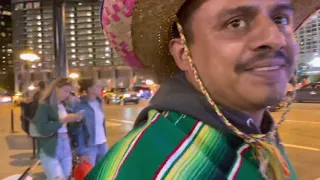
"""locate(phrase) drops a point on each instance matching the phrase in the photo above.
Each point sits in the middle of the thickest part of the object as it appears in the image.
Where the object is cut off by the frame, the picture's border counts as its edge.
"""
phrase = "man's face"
(244, 50)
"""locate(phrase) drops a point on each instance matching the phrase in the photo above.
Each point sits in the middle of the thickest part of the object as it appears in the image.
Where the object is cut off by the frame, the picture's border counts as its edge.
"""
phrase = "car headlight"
(127, 95)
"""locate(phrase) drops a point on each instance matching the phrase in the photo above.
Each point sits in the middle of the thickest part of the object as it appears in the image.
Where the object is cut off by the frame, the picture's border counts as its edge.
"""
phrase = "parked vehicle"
(22, 97)
(309, 93)
(4, 98)
(121, 96)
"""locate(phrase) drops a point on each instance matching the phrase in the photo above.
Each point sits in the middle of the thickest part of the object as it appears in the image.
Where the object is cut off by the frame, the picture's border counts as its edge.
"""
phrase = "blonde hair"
(49, 95)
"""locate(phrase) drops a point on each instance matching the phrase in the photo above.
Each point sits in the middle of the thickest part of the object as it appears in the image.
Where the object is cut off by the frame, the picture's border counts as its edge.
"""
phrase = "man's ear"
(177, 50)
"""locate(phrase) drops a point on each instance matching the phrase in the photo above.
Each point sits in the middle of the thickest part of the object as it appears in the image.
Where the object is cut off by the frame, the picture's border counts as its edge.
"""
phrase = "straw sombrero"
(140, 30)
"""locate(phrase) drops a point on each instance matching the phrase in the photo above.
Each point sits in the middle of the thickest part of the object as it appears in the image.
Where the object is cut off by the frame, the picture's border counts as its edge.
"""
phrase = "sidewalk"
(16, 148)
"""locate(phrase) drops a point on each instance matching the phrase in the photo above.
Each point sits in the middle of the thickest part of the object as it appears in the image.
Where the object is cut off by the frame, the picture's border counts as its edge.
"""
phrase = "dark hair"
(85, 83)
(41, 85)
(184, 16)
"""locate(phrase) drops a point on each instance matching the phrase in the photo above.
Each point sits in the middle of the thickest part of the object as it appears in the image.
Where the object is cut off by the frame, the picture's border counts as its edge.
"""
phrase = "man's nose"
(267, 35)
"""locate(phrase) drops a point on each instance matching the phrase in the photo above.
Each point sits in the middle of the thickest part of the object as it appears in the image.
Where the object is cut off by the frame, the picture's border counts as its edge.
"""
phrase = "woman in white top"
(91, 136)
(51, 121)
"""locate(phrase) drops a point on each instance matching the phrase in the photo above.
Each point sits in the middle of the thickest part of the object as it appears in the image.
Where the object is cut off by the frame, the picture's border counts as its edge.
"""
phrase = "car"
(277, 107)
(22, 97)
(4, 98)
(143, 92)
(121, 96)
(309, 93)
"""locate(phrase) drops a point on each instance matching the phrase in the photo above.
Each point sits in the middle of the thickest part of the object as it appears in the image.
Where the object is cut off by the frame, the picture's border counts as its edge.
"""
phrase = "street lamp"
(29, 57)
(315, 62)
(149, 82)
(74, 75)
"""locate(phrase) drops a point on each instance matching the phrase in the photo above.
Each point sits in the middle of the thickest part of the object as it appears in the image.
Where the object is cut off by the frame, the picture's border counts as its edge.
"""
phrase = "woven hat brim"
(152, 24)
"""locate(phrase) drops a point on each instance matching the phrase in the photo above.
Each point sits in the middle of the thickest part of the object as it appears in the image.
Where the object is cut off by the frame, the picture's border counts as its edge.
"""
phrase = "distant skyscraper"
(308, 38)
(88, 52)
(6, 63)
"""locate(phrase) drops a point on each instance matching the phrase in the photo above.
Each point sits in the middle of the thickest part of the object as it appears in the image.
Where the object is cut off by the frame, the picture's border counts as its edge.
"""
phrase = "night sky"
(4, 2)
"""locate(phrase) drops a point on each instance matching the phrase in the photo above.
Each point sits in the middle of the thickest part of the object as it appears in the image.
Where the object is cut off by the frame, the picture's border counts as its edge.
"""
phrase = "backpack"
(28, 111)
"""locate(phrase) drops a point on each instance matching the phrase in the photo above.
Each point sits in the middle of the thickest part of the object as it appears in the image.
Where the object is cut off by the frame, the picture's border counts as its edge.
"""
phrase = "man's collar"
(245, 123)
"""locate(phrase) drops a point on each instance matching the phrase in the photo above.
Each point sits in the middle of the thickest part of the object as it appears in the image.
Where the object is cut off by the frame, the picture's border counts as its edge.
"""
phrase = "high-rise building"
(88, 52)
(308, 39)
(6, 64)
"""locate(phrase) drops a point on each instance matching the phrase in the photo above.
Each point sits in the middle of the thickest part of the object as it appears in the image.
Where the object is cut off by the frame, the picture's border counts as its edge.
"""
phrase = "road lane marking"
(113, 124)
(296, 121)
(122, 121)
(301, 147)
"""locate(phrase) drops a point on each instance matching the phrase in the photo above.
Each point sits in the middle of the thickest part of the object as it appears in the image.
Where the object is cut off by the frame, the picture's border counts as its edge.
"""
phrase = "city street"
(300, 135)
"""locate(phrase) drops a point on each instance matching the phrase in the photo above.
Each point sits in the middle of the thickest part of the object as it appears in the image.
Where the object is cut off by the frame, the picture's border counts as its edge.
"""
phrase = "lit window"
(73, 44)
(108, 55)
(107, 61)
(74, 63)
(3, 34)
(40, 46)
(39, 23)
(89, 14)
(73, 50)
(29, 5)
(90, 43)
(90, 62)
(3, 23)
(73, 56)
(33, 66)
(89, 31)
(89, 38)
(38, 17)
(89, 25)
(72, 33)
(3, 57)
(90, 55)
(40, 52)
(39, 28)
(39, 35)
(72, 21)
(9, 50)
(108, 49)
(80, 4)
(90, 50)
(36, 5)
(89, 20)
(18, 7)
(71, 15)
(39, 40)
(72, 26)
(73, 38)
(39, 64)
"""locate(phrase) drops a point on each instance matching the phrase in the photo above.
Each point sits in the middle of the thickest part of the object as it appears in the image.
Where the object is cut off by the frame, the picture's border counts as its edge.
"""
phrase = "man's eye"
(281, 20)
(237, 23)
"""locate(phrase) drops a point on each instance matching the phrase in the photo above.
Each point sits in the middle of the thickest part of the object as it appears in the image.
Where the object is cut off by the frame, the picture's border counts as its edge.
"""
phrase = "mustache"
(243, 65)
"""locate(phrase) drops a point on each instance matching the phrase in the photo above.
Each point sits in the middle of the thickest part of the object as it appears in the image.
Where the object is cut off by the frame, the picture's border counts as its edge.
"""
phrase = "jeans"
(60, 166)
(96, 153)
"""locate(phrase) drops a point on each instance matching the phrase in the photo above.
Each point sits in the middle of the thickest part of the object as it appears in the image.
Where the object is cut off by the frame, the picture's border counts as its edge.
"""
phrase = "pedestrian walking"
(91, 135)
(51, 122)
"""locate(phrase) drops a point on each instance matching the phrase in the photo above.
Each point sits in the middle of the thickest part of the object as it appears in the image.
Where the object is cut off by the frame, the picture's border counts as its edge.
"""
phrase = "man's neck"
(256, 115)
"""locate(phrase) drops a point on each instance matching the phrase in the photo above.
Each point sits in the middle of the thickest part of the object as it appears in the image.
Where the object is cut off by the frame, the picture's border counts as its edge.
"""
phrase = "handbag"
(81, 170)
